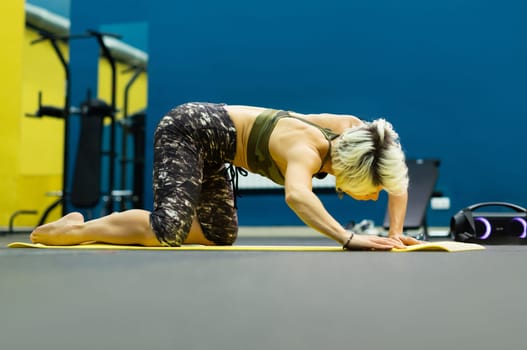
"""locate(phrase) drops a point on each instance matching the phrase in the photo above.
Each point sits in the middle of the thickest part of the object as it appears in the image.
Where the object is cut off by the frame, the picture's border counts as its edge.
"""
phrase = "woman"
(194, 201)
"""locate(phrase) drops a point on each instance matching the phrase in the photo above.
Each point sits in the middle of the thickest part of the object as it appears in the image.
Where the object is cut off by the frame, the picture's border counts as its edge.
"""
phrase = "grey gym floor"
(64, 299)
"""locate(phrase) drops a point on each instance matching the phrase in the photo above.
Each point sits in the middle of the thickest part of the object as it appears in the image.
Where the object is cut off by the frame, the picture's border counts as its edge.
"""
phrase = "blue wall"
(449, 74)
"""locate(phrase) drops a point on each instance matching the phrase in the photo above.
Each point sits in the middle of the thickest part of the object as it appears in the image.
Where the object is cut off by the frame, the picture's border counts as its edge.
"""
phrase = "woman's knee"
(221, 235)
(169, 231)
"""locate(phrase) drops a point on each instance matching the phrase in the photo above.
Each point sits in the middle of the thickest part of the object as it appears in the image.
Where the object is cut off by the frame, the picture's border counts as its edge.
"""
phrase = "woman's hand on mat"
(374, 242)
(406, 240)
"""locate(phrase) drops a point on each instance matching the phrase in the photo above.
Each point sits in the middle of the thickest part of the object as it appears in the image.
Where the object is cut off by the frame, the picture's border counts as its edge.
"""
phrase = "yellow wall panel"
(41, 139)
(32, 148)
(12, 26)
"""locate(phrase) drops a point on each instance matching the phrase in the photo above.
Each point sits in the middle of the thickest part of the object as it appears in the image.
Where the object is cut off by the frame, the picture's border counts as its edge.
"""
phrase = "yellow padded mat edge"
(445, 246)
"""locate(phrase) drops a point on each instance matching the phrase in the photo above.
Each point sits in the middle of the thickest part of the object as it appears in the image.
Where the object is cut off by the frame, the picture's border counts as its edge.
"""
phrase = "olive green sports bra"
(258, 155)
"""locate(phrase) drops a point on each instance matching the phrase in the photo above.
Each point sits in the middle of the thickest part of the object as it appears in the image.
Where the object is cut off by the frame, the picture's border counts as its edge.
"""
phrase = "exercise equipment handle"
(51, 111)
(495, 204)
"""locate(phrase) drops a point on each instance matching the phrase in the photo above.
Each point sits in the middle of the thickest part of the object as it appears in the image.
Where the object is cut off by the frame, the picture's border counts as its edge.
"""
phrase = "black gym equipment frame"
(66, 111)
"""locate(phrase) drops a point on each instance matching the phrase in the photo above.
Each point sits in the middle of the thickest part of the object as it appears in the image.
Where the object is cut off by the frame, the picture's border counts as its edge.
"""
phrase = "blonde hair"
(368, 156)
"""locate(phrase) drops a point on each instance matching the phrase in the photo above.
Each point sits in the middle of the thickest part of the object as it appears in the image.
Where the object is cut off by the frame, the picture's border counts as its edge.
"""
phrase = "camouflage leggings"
(191, 146)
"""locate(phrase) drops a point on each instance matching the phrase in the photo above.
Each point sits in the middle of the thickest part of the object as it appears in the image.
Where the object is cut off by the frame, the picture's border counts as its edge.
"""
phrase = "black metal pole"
(124, 146)
(65, 164)
(107, 54)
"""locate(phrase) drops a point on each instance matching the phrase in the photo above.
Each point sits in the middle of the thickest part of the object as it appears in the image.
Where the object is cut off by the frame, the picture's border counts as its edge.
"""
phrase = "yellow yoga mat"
(445, 246)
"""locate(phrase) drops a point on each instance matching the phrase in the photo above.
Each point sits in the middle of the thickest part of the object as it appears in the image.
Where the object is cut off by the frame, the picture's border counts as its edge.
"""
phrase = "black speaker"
(498, 227)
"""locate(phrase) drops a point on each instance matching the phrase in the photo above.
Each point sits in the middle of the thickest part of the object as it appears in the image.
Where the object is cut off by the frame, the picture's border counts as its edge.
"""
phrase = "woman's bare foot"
(61, 232)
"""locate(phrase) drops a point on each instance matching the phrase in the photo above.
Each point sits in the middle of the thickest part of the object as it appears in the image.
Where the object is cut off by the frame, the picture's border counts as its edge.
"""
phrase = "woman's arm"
(308, 207)
(397, 205)
(397, 212)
